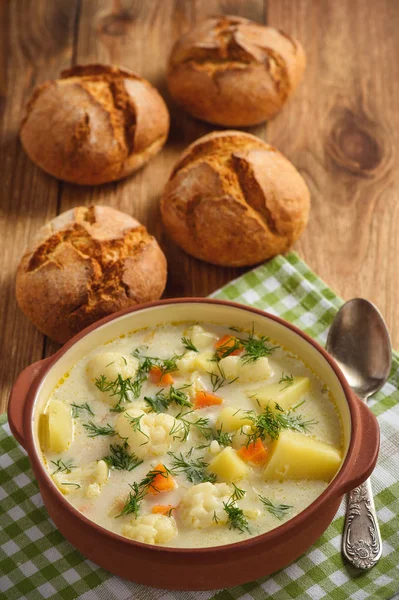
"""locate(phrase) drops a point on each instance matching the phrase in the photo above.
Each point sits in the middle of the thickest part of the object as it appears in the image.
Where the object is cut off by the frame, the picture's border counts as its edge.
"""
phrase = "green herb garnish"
(222, 437)
(188, 344)
(135, 423)
(139, 491)
(119, 388)
(62, 466)
(120, 459)
(76, 408)
(94, 430)
(181, 429)
(235, 514)
(77, 486)
(255, 347)
(278, 510)
(219, 380)
(269, 423)
(162, 399)
(194, 469)
(286, 380)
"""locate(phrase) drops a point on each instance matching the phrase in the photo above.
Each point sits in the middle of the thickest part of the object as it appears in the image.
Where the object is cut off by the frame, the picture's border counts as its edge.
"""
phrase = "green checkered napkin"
(37, 562)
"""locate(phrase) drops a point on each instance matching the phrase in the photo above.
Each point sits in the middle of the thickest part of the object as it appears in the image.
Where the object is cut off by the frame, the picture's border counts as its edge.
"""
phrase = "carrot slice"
(160, 378)
(254, 453)
(162, 509)
(225, 343)
(162, 482)
(203, 399)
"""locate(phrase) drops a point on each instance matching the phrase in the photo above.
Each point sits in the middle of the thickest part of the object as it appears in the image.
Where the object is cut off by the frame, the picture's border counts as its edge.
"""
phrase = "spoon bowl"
(359, 341)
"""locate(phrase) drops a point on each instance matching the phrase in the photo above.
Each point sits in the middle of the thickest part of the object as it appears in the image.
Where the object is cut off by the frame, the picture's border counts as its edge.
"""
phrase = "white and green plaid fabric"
(37, 562)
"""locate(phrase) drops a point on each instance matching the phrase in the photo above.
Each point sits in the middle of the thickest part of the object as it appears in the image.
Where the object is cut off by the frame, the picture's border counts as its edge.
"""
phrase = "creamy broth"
(236, 491)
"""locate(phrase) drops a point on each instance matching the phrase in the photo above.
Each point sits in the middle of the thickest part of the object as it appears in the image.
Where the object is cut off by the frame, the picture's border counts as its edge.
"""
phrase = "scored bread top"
(233, 71)
(234, 200)
(97, 123)
(85, 264)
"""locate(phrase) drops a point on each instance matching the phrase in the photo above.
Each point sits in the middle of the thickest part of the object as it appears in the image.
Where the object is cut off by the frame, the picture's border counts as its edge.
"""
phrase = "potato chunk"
(297, 456)
(56, 427)
(285, 396)
(228, 466)
(234, 366)
(232, 418)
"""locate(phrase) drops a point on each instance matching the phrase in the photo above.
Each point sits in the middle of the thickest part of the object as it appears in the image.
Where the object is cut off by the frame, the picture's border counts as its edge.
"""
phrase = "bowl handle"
(18, 396)
(365, 449)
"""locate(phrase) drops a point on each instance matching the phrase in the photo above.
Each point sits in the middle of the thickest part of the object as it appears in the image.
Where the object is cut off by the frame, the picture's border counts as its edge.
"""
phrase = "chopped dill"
(235, 514)
(215, 517)
(286, 380)
(222, 437)
(162, 399)
(269, 423)
(62, 466)
(120, 459)
(135, 423)
(194, 469)
(77, 486)
(94, 430)
(219, 380)
(76, 408)
(139, 491)
(181, 429)
(119, 388)
(188, 344)
(278, 510)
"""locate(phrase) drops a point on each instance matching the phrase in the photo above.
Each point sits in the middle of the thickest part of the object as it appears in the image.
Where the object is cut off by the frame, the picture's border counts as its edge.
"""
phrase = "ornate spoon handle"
(362, 545)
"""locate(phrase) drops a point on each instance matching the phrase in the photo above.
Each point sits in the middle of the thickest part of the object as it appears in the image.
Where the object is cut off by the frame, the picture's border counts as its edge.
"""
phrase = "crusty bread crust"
(234, 200)
(96, 124)
(85, 264)
(234, 72)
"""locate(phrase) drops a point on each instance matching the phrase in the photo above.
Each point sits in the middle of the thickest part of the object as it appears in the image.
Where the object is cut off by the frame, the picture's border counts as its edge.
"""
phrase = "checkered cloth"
(37, 562)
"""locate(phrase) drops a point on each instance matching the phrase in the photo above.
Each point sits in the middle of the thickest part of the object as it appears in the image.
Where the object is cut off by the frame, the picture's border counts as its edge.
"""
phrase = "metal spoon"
(359, 341)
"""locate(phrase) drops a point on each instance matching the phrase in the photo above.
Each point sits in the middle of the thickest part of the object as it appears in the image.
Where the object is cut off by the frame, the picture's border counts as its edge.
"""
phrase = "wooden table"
(341, 130)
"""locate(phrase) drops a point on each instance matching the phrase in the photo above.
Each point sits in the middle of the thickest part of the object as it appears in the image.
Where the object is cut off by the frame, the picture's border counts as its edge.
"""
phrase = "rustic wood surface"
(341, 130)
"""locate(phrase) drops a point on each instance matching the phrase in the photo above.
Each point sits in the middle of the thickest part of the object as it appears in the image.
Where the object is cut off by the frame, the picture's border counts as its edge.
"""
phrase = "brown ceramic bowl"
(196, 568)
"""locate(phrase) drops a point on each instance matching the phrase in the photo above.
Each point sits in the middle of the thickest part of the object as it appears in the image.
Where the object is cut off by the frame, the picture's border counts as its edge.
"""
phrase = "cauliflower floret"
(214, 447)
(202, 502)
(101, 472)
(151, 529)
(186, 364)
(192, 361)
(111, 364)
(93, 490)
(233, 366)
(201, 338)
(148, 434)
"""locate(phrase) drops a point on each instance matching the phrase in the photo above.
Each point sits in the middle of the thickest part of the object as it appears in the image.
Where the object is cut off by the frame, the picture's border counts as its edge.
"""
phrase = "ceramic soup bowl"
(195, 568)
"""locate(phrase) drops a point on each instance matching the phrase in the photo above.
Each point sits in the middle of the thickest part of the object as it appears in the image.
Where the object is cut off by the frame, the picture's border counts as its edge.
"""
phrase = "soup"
(190, 435)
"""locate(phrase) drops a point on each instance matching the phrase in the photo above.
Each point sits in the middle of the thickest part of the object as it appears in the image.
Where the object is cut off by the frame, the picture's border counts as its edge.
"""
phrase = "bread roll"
(234, 200)
(85, 264)
(233, 72)
(96, 124)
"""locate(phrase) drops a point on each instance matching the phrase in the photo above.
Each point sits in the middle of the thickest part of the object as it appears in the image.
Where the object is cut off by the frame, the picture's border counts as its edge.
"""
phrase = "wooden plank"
(139, 35)
(35, 43)
(342, 131)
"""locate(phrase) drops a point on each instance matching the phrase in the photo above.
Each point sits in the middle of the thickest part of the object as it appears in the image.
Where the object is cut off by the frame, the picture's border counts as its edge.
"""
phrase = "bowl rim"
(279, 533)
